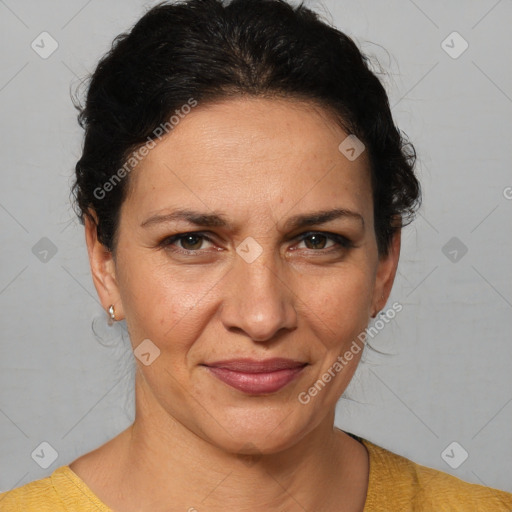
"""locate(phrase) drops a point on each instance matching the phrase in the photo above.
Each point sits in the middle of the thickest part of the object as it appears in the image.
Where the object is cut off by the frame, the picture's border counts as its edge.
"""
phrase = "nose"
(257, 300)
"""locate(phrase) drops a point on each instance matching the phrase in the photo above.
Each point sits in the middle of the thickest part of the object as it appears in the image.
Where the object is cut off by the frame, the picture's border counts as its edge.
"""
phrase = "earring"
(112, 312)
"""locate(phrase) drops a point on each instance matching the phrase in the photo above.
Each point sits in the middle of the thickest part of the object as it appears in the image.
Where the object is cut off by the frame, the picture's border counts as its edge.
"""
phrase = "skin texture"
(197, 442)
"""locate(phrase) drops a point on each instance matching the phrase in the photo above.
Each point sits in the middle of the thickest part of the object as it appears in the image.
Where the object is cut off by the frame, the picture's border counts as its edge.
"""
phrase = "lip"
(257, 377)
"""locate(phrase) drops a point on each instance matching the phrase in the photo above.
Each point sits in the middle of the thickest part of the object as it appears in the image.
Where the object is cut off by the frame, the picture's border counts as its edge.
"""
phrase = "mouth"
(256, 377)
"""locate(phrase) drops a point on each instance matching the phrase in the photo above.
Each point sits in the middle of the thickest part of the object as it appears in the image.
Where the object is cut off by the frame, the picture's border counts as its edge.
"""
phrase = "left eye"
(318, 241)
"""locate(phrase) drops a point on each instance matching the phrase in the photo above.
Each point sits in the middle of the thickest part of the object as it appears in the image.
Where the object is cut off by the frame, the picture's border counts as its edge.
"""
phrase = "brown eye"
(324, 242)
(316, 241)
(191, 242)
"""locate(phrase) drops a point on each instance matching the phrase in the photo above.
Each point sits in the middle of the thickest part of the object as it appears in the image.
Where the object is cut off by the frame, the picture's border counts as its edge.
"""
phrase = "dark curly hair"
(210, 50)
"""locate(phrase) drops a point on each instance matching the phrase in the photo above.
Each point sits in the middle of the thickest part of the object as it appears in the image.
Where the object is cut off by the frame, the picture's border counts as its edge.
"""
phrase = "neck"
(162, 459)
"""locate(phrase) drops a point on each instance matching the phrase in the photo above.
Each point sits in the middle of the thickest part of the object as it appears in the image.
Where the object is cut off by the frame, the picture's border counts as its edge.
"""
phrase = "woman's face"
(257, 280)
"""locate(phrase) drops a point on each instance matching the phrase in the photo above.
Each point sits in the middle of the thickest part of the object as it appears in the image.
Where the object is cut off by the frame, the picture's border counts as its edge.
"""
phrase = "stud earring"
(112, 312)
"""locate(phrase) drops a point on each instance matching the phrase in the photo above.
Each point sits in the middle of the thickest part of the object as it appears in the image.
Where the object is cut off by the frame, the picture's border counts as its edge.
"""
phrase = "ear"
(385, 275)
(103, 268)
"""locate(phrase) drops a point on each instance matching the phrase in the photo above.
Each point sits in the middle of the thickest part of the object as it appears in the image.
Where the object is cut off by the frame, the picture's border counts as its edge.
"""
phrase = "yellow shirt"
(396, 484)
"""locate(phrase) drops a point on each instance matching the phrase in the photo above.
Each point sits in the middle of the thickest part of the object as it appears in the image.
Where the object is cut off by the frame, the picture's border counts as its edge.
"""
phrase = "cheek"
(337, 314)
(340, 305)
(168, 306)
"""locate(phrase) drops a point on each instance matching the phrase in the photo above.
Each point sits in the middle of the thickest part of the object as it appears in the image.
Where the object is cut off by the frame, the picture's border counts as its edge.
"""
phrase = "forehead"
(252, 152)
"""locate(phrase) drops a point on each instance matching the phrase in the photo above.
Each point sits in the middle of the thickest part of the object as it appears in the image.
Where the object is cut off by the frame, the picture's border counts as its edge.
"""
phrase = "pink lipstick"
(256, 377)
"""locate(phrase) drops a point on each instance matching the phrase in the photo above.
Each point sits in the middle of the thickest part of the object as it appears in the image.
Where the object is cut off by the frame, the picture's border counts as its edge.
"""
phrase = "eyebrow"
(194, 217)
(321, 217)
(219, 220)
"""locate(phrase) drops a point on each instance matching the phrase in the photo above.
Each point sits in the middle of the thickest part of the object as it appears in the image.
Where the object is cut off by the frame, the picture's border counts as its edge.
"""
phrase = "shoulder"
(62, 491)
(38, 495)
(399, 483)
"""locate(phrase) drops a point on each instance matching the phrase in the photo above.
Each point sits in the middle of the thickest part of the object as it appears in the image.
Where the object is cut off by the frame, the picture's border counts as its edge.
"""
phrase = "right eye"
(190, 242)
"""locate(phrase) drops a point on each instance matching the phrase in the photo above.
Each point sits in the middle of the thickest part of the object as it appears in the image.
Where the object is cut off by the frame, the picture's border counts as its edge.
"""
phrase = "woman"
(243, 189)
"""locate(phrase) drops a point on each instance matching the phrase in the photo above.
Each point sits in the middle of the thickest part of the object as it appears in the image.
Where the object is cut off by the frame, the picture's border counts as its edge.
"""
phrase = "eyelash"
(341, 241)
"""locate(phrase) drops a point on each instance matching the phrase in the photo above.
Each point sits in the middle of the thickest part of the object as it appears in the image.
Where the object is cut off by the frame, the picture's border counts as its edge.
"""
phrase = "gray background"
(448, 378)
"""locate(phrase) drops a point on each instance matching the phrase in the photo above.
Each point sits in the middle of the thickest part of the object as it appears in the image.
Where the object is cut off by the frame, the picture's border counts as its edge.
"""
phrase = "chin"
(256, 433)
